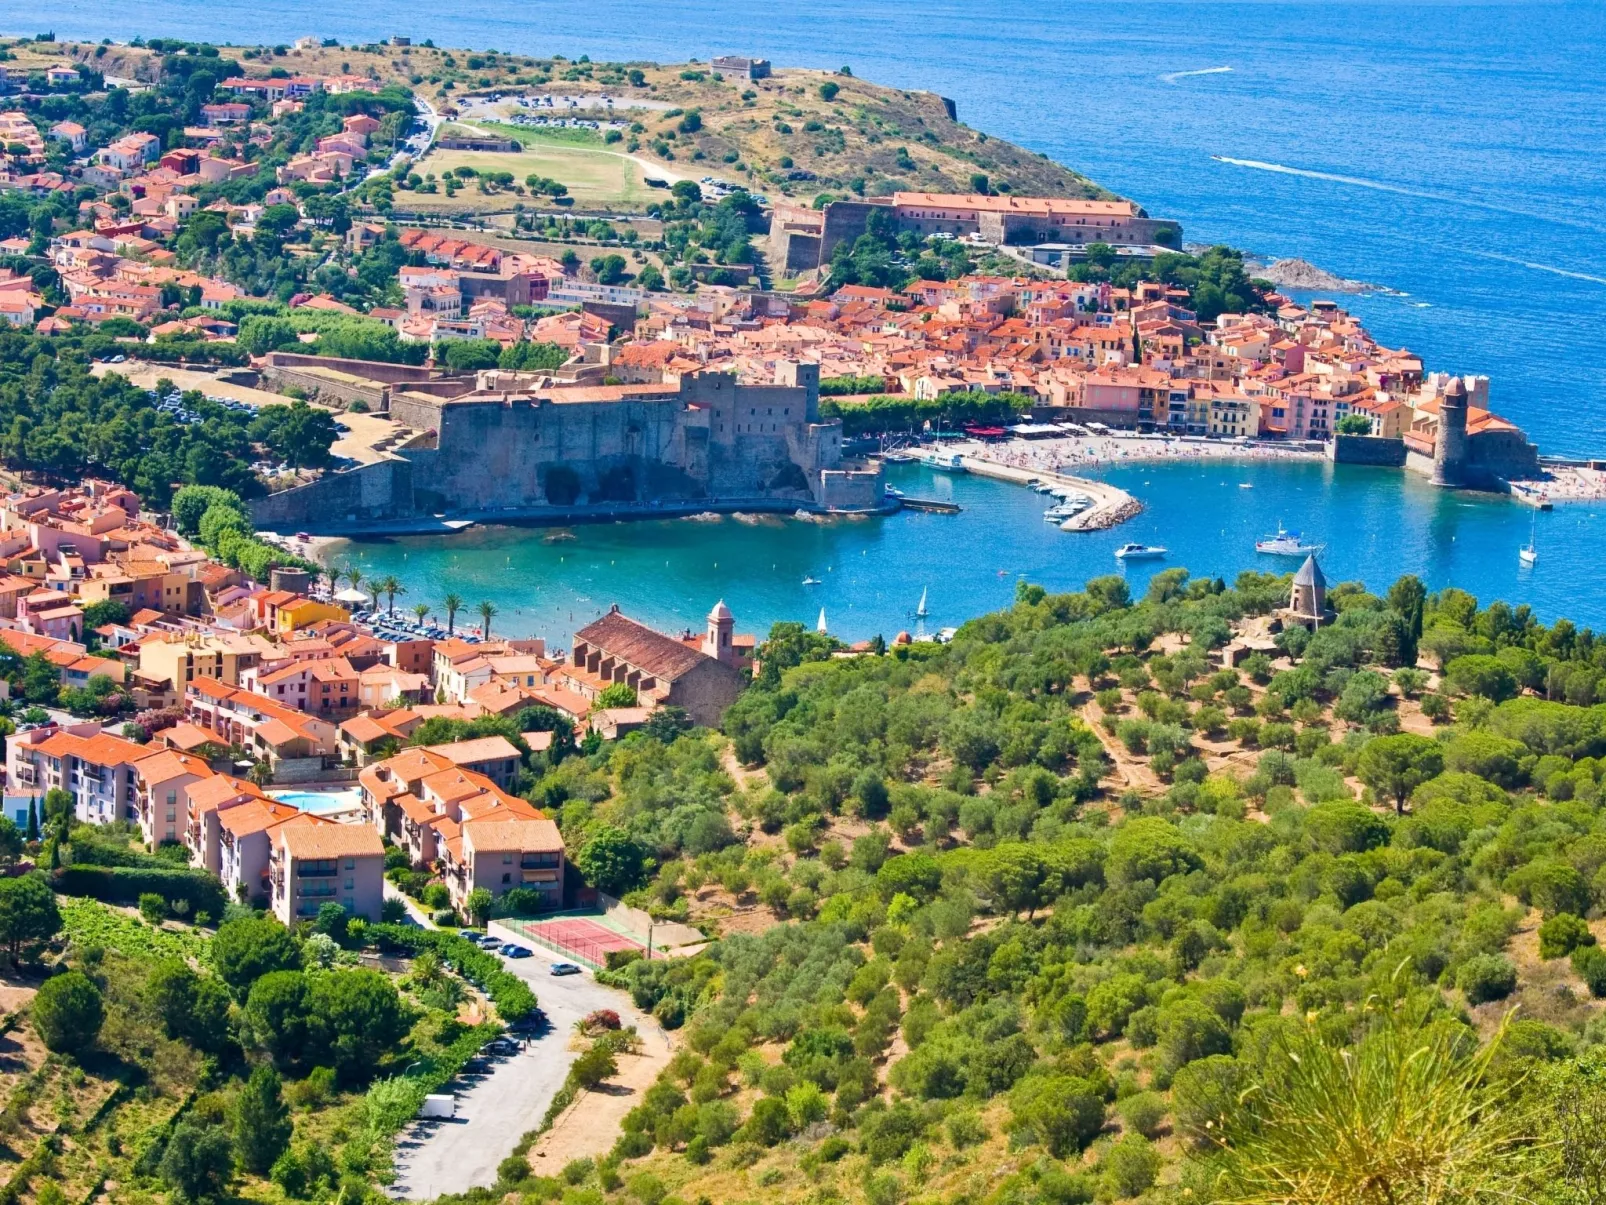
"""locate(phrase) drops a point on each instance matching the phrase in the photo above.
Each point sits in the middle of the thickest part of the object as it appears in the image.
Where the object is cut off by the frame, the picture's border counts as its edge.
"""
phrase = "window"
(507, 878)
(507, 859)
(351, 863)
(351, 884)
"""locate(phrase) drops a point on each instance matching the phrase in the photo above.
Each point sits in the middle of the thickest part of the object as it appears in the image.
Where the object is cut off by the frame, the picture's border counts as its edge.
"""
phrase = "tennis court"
(581, 939)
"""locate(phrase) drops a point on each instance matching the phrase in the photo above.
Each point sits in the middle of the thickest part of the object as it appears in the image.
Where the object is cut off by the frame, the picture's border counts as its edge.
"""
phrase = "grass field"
(595, 178)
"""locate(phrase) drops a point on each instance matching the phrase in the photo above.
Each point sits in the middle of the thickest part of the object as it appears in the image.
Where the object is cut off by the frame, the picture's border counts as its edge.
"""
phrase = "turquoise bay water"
(1377, 524)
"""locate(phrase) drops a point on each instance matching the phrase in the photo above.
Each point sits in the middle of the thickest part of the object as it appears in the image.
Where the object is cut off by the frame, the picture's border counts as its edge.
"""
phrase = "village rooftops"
(513, 836)
(619, 636)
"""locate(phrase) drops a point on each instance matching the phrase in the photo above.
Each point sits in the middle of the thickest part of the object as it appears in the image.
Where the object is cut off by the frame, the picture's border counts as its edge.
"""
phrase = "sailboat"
(920, 611)
(820, 626)
(1528, 554)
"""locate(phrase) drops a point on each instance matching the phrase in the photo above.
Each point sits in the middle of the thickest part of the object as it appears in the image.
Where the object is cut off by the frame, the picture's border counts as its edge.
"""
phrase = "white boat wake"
(1172, 77)
(1424, 194)
(1523, 263)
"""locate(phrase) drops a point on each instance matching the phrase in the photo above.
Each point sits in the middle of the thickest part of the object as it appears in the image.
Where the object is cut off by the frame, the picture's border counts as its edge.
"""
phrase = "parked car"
(513, 950)
(565, 968)
(487, 941)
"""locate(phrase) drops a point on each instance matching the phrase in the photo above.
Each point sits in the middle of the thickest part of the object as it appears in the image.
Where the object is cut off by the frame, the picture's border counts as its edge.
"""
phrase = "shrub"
(1562, 934)
(198, 888)
(1590, 964)
(1143, 1112)
(1130, 1167)
(1486, 977)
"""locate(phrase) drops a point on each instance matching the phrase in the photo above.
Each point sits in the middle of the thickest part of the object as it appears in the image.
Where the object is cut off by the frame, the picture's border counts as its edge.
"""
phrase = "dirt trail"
(592, 1124)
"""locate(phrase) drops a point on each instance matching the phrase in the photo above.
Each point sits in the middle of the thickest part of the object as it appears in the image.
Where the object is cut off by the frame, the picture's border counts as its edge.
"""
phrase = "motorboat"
(1065, 510)
(944, 462)
(1286, 543)
(892, 491)
(811, 581)
(1139, 552)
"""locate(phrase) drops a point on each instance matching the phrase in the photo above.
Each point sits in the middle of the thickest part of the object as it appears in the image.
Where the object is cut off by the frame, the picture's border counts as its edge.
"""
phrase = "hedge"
(512, 996)
(125, 884)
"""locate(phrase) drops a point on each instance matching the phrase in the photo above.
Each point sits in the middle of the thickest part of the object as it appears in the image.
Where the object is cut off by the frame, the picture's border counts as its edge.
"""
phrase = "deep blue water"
(1453, 152)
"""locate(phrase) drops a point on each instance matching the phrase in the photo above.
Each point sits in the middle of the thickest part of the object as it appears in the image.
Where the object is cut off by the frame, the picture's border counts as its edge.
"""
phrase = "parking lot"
(509, 1094)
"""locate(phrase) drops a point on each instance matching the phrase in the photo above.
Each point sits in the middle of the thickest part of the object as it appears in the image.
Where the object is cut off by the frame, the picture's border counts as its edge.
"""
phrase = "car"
(565, 968)
(513, 950)
(488, 941)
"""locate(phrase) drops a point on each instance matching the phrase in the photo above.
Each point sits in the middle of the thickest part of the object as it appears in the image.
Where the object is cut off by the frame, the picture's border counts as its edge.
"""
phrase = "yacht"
(1139, 552)
(1064, 511)
(811, 581)
(944, 462)
(892, 491)
(1528, 554)
(1286, 543)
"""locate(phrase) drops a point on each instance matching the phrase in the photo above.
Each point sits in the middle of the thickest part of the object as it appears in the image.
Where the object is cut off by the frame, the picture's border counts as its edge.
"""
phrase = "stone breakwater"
(1111, 505)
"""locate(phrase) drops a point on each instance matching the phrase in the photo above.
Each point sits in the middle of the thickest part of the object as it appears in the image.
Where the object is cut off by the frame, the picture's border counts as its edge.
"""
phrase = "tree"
(619, 694)
(193, 1008)
(11, 840)
(27, 912)
(246, 949)
(68, 1013)
(479, 904)
(487, 610)
(420, 610)
(1061, 1113)
(451, 604)
(390, 586)
(593, 1067)
(262, 1125)
(1394, 766)
(361, 1016)
(332, 921)
(1353, 424)
(611, 860)
(198, 1163)
(275, 1017)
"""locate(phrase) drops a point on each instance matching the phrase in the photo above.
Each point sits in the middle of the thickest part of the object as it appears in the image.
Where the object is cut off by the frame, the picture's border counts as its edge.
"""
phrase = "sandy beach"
(1067, 454)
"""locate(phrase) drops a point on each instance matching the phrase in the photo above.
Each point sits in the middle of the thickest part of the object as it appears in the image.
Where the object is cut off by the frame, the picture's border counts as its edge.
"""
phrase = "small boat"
(1286, 543)
(1064, 511)
(1042, 487)
(1246, 485)
(820, 626)
(920, 611)
(892, 491)
(1139, 552)
(1528, 554)
(811, 581)
(944, 462)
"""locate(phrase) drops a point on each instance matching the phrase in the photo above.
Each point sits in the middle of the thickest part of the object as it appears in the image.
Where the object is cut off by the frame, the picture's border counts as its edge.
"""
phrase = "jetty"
(1111, 504)
(933, 505)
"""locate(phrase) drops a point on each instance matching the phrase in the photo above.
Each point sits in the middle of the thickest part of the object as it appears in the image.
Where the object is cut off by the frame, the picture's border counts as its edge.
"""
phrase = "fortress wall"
(371, 491)
(1367, 449)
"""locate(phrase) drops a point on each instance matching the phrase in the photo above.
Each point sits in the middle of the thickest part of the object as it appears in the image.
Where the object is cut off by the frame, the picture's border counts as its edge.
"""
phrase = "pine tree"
(33, 820)
(262, 1124)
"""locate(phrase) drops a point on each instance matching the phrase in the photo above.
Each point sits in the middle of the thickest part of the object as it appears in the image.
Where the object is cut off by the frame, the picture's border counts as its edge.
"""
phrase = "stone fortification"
(508, 447)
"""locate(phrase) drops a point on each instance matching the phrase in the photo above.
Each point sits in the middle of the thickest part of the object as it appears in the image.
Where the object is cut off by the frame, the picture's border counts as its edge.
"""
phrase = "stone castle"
(521, 446)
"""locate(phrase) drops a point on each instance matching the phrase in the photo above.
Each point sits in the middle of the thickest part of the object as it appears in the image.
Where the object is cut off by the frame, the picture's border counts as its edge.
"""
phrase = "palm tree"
(453, 603)
(420, 610)
(353, 575)
(487, 610)
(390, 586)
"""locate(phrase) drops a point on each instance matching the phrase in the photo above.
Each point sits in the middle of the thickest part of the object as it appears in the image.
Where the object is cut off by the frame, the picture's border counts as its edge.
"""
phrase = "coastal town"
(321, 880)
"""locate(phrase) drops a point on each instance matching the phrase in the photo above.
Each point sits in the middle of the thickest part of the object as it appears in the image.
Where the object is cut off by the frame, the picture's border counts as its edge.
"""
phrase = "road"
(433, 1158)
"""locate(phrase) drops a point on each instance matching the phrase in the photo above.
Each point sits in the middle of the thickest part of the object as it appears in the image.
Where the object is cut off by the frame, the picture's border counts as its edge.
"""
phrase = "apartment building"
(310, 865)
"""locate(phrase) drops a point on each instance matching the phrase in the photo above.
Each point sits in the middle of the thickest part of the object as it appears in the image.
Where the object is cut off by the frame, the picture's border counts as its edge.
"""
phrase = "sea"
(1452, 153)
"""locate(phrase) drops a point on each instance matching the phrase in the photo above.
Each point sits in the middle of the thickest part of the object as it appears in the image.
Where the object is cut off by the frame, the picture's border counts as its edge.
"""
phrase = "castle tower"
(1308, 600)
(1450, 446)
(717, 639)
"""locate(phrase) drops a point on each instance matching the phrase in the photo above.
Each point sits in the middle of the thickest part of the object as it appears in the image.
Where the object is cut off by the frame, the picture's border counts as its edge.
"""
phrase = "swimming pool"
(322, 802)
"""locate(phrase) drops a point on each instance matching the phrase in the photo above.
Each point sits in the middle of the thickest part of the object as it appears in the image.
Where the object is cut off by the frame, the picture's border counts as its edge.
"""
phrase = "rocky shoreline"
(1304, 275)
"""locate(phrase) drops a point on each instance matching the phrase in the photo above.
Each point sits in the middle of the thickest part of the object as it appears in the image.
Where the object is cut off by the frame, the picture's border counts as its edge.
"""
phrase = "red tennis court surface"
(583, 939)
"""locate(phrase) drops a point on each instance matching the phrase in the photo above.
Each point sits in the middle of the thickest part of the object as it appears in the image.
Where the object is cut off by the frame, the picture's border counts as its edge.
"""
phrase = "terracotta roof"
(170, 763)
(330, 841)
(485, 748)
(635, 643)
(258, 816)
(516, 836)
(220, 789)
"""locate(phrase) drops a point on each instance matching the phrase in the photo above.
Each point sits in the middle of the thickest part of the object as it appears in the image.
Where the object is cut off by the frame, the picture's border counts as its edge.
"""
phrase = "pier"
(931, 504)
(1111, 505)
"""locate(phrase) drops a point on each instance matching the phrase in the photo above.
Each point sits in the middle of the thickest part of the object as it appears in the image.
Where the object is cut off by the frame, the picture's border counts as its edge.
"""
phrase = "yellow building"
(180, 660)
(1234, 416)
(305, 612)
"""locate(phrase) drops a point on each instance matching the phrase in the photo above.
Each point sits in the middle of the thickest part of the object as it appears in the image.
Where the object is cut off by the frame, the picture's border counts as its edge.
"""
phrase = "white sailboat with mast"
(1528, 554)
(820, 626)
(920, 611)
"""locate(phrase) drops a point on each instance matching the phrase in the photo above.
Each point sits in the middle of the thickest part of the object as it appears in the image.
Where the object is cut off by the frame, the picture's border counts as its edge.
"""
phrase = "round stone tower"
(1450, 446)
(1308, 599)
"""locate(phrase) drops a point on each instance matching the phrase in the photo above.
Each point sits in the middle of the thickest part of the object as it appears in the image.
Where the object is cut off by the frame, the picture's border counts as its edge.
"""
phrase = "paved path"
(433, 1158)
